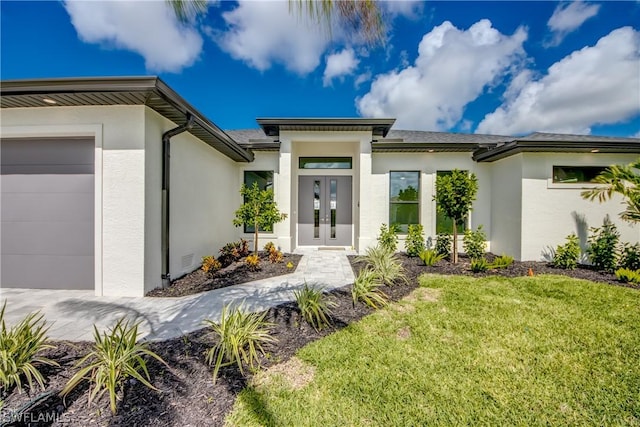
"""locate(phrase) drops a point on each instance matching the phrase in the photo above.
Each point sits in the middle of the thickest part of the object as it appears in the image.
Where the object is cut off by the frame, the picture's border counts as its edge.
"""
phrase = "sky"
(505, 67)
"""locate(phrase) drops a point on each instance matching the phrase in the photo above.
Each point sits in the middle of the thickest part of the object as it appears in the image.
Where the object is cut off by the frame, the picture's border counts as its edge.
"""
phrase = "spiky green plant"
(502, 261)
(385, 264)
(366, 288)
(240, 336)
(19, 348)
(430, 257)
(479, 265)
(116, 355)
(315, 306)
(626, 275)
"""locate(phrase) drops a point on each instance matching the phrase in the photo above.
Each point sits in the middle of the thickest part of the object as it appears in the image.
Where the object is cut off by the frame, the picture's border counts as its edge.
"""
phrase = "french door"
(324, 211)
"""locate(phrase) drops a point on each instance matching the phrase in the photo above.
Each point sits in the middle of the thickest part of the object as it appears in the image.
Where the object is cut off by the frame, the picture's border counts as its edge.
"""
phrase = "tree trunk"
(255, 238)
(455, 241)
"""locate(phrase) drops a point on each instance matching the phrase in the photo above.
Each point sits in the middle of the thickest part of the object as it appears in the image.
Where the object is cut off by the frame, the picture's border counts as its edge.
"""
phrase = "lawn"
(544, 350)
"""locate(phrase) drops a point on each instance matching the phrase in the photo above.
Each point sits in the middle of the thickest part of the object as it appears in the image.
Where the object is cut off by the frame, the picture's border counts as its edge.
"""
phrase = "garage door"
(47, 218)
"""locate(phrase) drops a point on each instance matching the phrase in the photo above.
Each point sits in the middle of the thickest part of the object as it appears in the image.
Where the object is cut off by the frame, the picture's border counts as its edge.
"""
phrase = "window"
(265, 182)
(325, 162)
(404, 199)
(575, 174)
(444, 224)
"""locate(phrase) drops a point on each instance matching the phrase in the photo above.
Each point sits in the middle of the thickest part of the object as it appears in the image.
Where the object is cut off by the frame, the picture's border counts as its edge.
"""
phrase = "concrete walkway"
(72, 314)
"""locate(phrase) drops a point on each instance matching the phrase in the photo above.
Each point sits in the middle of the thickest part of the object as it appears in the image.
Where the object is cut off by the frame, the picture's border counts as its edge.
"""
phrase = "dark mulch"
(188, 395)
(234, 274)
(514, 270)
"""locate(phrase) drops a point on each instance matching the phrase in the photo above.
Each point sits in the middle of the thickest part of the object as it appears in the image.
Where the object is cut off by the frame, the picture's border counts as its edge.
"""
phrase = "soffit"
(149, 91)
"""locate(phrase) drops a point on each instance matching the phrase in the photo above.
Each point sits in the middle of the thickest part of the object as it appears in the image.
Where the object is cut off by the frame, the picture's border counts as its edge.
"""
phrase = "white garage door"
(46, 213)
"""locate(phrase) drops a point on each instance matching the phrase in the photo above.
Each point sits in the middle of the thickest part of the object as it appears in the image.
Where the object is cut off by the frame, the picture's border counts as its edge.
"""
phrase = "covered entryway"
(47, 213)
(324, 211)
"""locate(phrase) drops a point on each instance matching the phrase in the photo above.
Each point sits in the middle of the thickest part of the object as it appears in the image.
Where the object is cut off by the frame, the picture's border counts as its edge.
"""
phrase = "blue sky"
(489, 67)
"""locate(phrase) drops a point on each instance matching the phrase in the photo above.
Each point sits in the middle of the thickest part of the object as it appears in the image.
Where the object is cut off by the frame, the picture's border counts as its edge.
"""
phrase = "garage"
(47, 213)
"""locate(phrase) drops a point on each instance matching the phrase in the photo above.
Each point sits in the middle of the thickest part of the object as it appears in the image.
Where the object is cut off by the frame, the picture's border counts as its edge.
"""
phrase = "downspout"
(166, 181)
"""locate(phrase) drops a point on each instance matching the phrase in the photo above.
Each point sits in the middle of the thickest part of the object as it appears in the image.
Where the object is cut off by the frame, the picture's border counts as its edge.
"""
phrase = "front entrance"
(324, 211)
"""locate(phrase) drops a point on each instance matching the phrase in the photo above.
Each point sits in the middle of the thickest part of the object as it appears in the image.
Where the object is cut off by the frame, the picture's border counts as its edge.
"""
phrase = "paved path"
(72, 314)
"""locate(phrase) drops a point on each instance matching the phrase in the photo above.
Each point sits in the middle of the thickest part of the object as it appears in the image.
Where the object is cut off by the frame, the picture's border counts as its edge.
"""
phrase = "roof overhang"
(272, 127)
(488, 154)
(421, 147)
(149, 91)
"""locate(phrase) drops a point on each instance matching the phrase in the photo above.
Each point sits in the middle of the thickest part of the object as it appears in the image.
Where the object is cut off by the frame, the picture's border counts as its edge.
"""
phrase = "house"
(119, 185)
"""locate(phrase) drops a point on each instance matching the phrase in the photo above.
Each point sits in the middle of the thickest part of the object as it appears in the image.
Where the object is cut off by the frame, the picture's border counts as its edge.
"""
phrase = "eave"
(149, 91)
(273, 126)
(518, 146)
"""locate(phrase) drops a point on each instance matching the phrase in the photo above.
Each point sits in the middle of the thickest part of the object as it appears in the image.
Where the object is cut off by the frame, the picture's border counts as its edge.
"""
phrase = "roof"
(254, 139)
(416, 141)
(559, 143)
(273, 126)
(149, 91)
(485, 148)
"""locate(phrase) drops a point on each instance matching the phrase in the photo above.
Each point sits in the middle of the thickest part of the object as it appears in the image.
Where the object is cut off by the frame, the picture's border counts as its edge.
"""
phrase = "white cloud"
(262, 33)
(408, 8)
(568, 17)
(595, 85)
(453, 68)
(339, 65)
(362, 78)
(148, 28)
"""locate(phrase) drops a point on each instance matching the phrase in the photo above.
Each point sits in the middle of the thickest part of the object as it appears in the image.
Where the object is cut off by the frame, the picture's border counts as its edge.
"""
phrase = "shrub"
(240, 337)
(275, 256)
(233, 251)
(567, 255)
(269, 247)
(502, 261)
(473, 243)
(19, 348)
(115, 356)
(443, 245)
(388, 237)
(479, 265)
(253, 262)
(630, 256)
(430, 257)
(315, 307)
(602, 246)
(366, 289)
(626, 275)
(385, 264)
(210, 264)
(415, 240)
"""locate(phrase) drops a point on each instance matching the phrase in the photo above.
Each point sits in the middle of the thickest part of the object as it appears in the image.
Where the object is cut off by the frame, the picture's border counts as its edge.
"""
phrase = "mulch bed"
(188, 395)
(234, 274)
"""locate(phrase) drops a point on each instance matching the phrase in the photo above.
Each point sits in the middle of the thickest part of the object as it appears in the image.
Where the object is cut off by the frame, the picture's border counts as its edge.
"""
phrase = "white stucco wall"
(506, 206)
(120, 182)
(552, 211)
(154, 126)
(428, 164)
(204, 195)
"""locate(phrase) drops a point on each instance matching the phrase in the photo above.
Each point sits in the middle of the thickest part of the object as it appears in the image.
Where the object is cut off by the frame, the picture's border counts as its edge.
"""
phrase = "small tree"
(455, 193)
(259, 210)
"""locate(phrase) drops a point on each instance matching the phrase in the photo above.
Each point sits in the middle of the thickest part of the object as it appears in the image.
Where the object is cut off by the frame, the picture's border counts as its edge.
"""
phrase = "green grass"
(544, 350)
